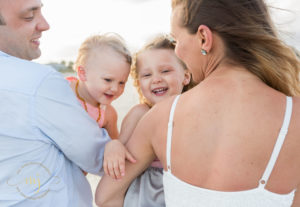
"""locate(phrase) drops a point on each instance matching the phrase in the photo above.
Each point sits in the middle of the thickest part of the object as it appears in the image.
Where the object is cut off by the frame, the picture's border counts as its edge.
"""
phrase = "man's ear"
(81, 73)
(205, 37)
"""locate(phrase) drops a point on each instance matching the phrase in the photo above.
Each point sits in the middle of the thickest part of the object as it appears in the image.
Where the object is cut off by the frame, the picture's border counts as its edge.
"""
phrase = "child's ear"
(81, 73)
(187, 78)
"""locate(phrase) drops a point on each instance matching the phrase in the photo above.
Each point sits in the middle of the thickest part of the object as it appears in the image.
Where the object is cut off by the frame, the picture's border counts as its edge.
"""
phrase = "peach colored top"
(91, 110)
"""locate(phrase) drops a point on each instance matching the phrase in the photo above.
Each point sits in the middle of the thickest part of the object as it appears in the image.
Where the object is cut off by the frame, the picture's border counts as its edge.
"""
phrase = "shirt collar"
(4, 54)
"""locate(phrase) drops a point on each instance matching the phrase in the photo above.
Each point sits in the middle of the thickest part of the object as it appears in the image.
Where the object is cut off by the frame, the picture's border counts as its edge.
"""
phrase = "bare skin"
(110, 121)
(224, 129)
(212, 163)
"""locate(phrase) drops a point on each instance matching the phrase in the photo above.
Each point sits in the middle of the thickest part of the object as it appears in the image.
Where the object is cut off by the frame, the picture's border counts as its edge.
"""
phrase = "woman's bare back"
(224, 133)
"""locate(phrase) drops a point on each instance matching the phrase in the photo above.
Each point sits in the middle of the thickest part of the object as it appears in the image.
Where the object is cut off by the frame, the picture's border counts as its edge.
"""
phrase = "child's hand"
(115, 154)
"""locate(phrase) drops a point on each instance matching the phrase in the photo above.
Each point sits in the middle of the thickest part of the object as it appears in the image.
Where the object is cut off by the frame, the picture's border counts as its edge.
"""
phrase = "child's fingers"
(111, 170)
(122, 167)
(105, 168)
(117, 170)
(129, 157)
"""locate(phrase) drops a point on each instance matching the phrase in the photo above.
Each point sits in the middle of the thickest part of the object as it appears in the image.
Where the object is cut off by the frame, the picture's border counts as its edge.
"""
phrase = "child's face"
(106, 74)
(160, 74)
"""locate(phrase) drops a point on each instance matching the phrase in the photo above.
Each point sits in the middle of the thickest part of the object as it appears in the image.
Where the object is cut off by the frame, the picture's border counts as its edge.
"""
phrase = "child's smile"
(160, 91)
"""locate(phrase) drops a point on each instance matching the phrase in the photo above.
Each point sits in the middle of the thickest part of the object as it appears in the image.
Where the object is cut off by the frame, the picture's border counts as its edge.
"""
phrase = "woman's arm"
(110, 122)
(111, 192)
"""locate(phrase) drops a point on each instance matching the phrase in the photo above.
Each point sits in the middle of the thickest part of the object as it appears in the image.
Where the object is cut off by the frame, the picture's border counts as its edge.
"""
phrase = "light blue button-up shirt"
(46, 138)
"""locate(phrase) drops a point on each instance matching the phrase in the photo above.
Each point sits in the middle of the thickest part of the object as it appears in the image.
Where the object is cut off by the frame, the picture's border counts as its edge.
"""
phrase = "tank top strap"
(279, 142)
(169, 133)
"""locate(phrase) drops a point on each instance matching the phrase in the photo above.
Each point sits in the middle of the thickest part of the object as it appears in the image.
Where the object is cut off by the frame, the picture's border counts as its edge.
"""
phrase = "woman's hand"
(115, 154)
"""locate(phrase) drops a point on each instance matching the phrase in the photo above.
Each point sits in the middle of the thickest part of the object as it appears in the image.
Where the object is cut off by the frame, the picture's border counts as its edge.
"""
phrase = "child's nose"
(156, 79)
(114, 87)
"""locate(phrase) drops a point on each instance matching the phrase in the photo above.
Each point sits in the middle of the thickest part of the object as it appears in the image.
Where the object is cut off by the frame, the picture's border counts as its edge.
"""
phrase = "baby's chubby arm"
(130, 121)
(110, 192)
(110, 122)
(115, 152)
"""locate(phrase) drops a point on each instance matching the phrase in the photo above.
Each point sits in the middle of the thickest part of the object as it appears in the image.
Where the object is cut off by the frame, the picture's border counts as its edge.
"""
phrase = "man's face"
(22, 29)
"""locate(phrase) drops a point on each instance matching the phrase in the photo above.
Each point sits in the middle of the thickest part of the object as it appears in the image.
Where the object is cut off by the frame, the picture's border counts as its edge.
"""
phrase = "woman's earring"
(203, 52)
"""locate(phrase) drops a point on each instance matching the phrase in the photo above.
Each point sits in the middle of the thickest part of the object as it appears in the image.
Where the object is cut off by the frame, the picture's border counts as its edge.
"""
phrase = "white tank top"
(181, 194)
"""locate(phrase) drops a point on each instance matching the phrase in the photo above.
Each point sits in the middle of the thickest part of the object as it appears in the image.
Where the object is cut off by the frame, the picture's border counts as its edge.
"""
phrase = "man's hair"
(2, 21)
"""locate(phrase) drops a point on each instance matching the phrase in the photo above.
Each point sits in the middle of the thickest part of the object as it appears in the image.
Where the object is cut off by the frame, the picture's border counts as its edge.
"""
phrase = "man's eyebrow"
(34, 8)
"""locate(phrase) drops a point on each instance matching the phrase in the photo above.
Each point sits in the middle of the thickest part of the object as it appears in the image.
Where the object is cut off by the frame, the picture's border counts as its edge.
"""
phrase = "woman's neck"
(235, 72)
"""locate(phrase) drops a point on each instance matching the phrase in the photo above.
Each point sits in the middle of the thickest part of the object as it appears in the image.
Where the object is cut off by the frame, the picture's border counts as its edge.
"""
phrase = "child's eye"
(107, 79)
(146, 75)
(166, 71)
(122, 83)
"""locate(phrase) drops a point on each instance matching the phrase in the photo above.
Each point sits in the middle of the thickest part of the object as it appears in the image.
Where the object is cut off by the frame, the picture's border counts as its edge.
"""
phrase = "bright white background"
(71, 21)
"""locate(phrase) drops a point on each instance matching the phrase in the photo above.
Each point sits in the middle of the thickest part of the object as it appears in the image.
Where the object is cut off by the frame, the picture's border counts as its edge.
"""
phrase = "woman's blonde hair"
(250, 38)
(159, 42)
(111, 40)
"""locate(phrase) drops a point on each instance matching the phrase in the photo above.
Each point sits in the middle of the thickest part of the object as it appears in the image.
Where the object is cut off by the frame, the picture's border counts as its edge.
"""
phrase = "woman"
(233, 139)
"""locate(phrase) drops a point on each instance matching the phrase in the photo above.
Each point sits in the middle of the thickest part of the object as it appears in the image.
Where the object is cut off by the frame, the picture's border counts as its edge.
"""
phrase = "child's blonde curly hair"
(159, 42)
(112, 40)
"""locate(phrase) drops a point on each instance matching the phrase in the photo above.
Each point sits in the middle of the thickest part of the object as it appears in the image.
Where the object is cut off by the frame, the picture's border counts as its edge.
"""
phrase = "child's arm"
(111, 192)
(130, 121)
(110, 122)
(115, 153)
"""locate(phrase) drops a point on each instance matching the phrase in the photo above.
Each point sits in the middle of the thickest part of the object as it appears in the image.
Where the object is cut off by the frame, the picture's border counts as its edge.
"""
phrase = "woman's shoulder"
(296, 108)
(296, 100)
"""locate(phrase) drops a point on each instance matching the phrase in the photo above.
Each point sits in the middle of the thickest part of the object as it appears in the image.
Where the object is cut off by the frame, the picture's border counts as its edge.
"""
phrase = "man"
(46, 138)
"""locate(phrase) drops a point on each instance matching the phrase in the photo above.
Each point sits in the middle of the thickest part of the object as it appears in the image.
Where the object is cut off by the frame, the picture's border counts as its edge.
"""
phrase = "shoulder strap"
(169, 134)
(279, 142)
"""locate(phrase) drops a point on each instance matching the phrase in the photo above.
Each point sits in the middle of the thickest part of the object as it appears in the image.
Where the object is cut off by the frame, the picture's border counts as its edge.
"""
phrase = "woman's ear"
(187, 78)
(205, 37)
(81, 73)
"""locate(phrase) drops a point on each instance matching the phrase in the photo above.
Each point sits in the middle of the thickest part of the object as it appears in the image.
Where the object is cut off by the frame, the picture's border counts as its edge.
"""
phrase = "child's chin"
(106, 102)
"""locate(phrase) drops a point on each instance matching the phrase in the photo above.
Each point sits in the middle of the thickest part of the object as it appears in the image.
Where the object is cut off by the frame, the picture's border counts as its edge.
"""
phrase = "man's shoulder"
(31, 66)
(14, 64)
(23, 75)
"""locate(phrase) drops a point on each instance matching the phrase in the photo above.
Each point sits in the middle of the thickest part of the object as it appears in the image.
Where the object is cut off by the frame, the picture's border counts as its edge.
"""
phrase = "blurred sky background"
(71, 21)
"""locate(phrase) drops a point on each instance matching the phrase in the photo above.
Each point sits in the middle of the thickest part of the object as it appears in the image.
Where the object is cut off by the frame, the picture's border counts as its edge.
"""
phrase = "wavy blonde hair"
(250, 38)
(159, 42)
(111, 40)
